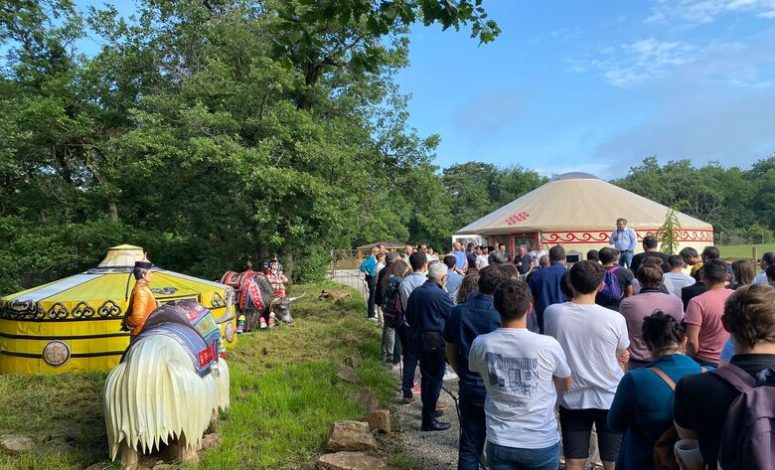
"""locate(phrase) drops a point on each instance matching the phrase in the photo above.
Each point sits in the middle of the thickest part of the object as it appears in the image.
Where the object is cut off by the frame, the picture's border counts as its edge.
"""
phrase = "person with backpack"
(643, 406)
(617, 281)
(390, 302)
(730, 410)
(595, 342)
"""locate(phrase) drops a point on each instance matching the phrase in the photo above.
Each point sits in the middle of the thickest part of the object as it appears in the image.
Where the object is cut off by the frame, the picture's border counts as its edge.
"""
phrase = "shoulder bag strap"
(663, 376)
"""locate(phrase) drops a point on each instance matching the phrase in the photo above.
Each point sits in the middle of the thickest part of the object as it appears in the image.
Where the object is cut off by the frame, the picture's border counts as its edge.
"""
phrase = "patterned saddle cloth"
(192, 325)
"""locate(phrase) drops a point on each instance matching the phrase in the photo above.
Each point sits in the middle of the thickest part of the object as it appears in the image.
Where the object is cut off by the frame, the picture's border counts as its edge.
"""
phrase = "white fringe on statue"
(155, 395)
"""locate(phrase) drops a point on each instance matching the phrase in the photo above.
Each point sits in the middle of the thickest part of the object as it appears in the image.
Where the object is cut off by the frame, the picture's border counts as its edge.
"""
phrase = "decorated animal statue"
(169, 385)
(258, 299)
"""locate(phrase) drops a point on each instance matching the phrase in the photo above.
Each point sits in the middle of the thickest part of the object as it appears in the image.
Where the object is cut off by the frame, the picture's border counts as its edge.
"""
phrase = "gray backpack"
(748, 435)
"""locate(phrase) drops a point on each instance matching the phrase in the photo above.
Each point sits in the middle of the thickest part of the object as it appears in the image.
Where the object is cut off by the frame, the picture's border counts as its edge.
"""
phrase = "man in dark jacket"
(427, 311)
(545, 284)
(467, 321)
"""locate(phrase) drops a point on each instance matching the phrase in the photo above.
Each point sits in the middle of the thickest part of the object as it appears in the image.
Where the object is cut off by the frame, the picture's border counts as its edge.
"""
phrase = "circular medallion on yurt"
(56, 353)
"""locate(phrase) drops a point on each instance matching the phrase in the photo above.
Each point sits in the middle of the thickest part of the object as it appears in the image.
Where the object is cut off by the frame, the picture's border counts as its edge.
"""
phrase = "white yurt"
(579, 212)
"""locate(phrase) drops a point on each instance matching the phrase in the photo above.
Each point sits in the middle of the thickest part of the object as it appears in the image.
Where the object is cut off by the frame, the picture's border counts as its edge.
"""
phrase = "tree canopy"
(212, 132)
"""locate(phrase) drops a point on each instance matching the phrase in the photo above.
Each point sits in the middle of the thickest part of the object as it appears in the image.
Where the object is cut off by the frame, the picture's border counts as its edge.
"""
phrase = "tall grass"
(284, 396)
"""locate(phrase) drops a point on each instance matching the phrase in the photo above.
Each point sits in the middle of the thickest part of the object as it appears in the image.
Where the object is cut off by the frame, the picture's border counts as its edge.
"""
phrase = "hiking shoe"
(438, 413)
(442, 405)
(262, 323)
(436, 426)
(374, 319)
(408, 400)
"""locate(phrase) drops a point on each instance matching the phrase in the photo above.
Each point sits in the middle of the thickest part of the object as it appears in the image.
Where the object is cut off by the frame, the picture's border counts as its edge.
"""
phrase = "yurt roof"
(109, 282)
(577, 201)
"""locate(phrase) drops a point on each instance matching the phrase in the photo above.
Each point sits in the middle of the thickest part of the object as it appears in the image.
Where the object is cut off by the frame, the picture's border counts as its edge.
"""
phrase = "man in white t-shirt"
(676, 280)
(522, 372)
(595, 342)
(536, 254)
(482, 260)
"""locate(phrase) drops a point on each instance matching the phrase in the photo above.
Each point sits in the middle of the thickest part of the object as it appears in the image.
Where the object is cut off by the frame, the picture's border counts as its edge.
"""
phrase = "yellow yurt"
(74, 323)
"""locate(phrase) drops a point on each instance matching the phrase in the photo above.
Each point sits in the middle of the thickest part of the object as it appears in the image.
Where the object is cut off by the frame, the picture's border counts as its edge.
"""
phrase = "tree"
(669, 233)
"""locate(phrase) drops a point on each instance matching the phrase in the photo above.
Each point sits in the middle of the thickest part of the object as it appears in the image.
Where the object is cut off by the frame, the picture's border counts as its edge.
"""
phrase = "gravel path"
(432, 450)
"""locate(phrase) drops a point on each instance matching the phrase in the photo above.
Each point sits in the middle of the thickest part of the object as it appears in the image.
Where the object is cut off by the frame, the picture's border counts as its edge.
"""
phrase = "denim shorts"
(511, 458)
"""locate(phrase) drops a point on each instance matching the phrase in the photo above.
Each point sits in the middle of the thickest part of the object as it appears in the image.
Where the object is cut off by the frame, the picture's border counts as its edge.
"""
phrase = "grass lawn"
(284, 396)
(744, 251)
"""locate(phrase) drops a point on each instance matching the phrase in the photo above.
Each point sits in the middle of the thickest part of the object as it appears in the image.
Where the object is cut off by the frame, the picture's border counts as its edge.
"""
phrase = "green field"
(284, 396)
(744, 251)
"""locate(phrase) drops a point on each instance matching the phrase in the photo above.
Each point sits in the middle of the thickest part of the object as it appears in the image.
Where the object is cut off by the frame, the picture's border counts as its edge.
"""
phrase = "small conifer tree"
(669, 233)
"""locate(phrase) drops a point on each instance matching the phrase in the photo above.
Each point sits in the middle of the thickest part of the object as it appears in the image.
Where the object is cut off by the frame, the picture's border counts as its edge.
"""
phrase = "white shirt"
(517, 367)
(760, 278)
(590, 335)
(535, 257)
(482, 261)
(674, 282)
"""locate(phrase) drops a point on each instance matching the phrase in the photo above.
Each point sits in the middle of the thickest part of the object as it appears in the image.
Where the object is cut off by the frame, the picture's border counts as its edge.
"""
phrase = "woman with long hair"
(468, 287)
(744, 272)
(643, 406)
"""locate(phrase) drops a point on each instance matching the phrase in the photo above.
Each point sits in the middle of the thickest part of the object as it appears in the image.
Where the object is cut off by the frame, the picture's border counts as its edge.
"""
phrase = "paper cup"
(687, 451)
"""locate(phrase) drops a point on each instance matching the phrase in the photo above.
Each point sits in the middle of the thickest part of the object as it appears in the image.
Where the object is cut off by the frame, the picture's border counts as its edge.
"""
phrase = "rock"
(211, 441)
(350, 436)
(13, 444)
(378, 420)
(350, 461)
(367, 400)
(352, 361)
(347, 374)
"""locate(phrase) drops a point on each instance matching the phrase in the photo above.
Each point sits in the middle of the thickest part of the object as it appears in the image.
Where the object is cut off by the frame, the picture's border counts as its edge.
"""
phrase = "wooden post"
(754, 255)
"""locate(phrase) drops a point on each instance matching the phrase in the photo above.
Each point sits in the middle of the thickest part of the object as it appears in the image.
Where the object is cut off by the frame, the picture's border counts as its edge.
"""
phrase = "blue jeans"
(625, 259)
(513, 458)
(473, 434)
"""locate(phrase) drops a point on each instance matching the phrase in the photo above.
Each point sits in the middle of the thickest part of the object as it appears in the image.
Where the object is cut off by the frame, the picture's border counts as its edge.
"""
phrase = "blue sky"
(596, 86)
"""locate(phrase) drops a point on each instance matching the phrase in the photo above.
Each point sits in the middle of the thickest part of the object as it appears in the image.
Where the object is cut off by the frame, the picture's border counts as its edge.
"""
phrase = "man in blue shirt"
(624, 240)
(546, 284)
(467, 321)
(461, 260)
(454, 280)
(369, 269)
(426, 313)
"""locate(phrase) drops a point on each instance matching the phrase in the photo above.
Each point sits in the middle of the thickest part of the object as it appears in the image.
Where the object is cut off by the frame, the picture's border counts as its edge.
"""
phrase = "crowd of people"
(628, 344)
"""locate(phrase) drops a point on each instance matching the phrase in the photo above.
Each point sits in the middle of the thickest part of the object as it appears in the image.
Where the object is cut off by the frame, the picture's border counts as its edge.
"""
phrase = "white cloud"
(747, 62)
(637, 62)
(707, 11)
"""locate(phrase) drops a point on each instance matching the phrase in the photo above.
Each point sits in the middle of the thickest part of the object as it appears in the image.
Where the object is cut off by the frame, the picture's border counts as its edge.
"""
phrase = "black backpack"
(392, 310)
